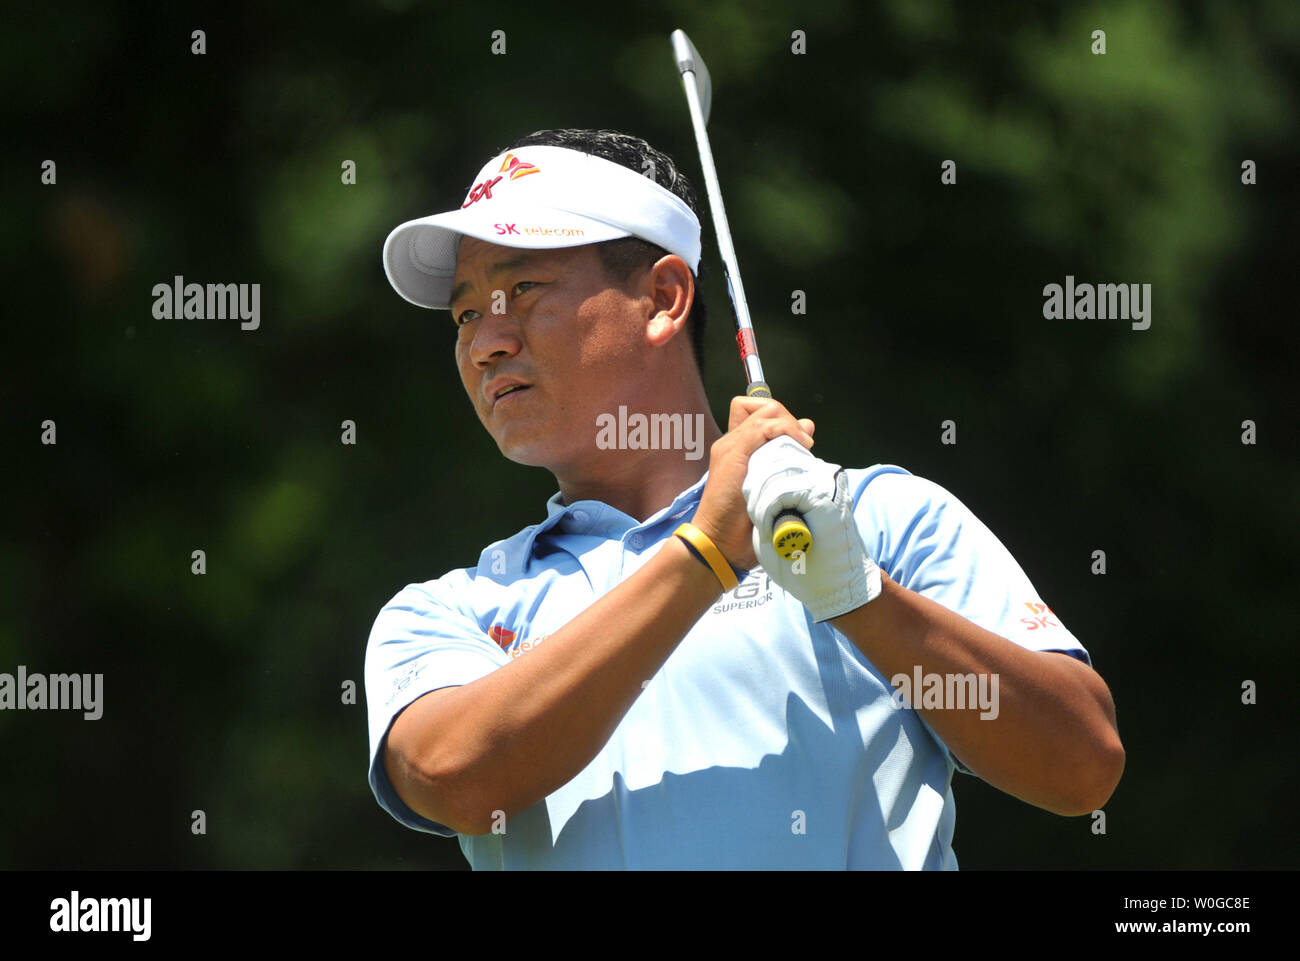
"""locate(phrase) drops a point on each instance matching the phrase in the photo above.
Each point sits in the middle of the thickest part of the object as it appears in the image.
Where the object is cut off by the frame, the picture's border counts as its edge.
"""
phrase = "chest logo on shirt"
(1042, 617)
(754, 591)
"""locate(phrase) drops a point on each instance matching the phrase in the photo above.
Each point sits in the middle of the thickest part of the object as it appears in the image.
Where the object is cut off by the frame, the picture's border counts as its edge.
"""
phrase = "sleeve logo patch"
(510, 640)
(527, 646)
(404, 680)
(1041, 619)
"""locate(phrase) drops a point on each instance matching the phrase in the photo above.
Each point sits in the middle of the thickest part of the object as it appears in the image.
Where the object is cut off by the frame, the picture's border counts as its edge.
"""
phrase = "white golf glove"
(836, 575)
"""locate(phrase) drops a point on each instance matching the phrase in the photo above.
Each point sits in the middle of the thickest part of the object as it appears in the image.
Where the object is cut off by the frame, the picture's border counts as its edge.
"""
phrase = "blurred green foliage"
(222, 692)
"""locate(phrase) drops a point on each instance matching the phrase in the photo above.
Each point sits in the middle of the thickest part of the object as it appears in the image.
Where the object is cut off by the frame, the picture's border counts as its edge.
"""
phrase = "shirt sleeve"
(421, 641)
(928, 541)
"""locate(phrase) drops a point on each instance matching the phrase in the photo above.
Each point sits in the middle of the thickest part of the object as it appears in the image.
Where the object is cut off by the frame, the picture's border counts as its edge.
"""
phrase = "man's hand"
(722, 513)
(837, 575)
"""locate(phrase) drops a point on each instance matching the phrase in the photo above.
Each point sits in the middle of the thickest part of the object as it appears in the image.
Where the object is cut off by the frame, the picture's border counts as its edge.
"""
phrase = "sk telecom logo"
(503, 636)
(1042, 617)
(512, 166)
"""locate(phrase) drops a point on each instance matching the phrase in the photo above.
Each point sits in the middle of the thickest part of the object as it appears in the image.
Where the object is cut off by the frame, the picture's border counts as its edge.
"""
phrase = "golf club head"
(688, 58)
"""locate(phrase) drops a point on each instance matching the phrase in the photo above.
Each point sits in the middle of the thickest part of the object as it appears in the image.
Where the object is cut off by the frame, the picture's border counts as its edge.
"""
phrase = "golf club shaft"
(790, 534)
(757, 386)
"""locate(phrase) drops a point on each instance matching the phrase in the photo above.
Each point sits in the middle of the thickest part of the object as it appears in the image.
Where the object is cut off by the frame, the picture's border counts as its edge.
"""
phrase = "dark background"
(222, 691)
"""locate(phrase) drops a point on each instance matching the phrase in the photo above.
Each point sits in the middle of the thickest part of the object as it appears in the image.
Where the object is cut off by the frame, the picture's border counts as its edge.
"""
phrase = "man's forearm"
(512, 737)
(1053, 743)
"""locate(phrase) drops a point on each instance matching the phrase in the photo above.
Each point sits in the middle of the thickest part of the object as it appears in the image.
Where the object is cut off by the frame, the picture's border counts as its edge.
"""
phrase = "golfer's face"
(549, 320)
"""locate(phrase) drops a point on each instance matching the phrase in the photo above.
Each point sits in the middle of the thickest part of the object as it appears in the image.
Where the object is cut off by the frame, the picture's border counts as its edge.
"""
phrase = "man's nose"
(497, 337)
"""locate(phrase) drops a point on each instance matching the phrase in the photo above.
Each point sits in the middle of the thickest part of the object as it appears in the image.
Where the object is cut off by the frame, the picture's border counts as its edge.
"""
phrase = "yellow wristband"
(699, 540)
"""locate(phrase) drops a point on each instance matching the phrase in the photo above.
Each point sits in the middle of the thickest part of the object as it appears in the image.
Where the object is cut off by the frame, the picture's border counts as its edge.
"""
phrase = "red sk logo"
(1041, 619)
(481, 191)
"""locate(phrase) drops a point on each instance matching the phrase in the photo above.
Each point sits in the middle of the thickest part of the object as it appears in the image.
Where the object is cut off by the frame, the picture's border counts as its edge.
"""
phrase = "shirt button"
(637, 542)
(580, 517)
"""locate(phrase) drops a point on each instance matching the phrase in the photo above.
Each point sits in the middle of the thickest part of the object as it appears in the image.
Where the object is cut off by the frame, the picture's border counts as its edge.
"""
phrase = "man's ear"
(672, 289)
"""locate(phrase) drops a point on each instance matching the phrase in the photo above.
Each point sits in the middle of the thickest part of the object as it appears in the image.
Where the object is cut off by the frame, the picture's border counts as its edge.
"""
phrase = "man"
(622, 685)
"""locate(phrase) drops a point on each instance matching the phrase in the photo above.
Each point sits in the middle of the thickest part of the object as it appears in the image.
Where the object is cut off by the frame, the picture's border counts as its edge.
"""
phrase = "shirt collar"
(596, 518)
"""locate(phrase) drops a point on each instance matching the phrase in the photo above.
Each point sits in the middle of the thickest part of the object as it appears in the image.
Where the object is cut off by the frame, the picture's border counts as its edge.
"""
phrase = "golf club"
(790, 534)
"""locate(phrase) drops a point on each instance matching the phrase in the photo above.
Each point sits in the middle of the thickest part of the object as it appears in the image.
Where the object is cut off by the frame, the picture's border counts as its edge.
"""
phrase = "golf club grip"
(790, 534)
(790, 531)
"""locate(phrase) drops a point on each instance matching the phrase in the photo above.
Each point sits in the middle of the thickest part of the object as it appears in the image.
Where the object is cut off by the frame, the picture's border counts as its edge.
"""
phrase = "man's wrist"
(703, 549)
(851, 596)
(696, 575)
(873, 608)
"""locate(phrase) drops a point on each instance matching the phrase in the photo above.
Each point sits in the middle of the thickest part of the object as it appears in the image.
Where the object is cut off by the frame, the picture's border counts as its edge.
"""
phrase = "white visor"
(539, 197)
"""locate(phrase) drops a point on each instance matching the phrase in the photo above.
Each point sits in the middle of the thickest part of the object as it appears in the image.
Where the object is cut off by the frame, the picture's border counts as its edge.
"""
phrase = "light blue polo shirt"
(765, 741)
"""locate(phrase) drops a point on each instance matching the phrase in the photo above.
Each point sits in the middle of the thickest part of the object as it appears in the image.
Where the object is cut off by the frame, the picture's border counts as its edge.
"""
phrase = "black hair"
(622, 258)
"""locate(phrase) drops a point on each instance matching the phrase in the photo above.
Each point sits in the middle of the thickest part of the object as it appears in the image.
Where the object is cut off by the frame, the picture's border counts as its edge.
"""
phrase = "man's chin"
(528, 453)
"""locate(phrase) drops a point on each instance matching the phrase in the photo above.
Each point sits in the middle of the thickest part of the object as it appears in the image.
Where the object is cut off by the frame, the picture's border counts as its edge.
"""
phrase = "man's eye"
(465, 316)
